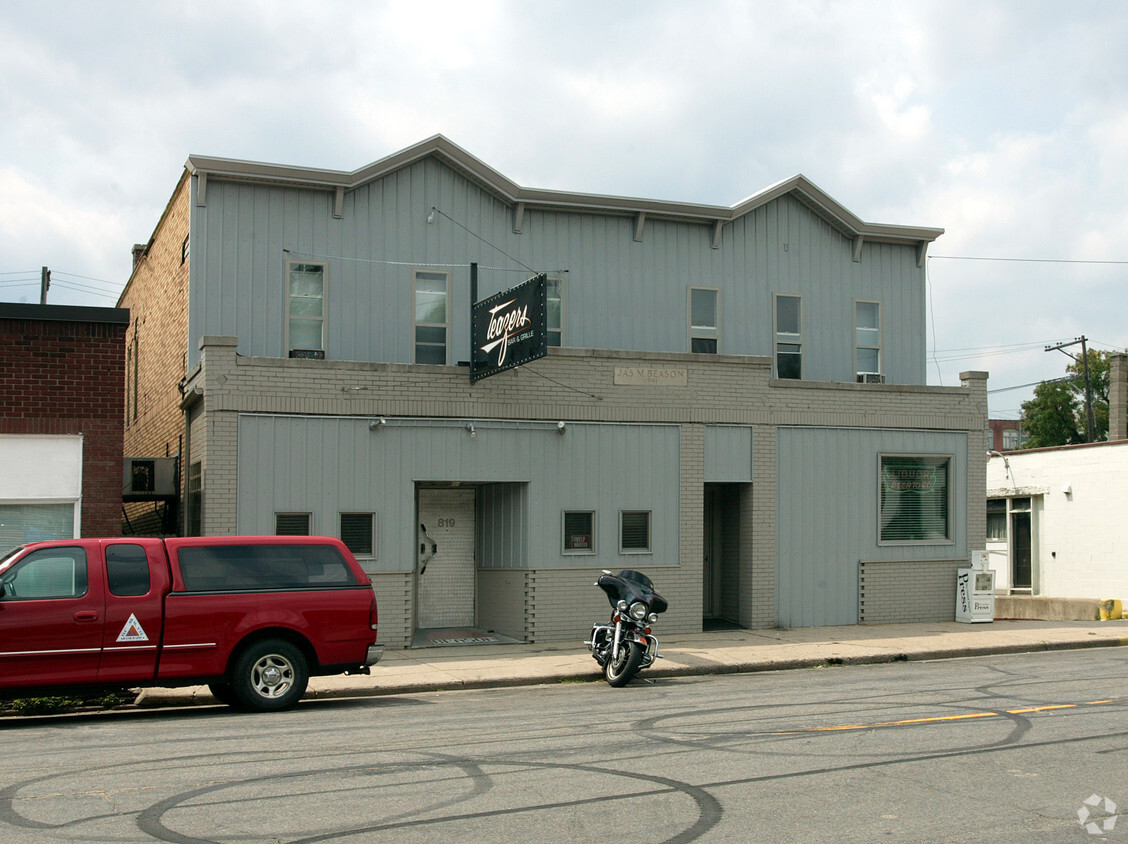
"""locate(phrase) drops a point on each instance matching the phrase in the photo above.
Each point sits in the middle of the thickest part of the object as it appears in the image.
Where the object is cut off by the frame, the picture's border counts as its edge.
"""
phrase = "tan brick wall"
(157, 298)
(394, 599)
(890, 592)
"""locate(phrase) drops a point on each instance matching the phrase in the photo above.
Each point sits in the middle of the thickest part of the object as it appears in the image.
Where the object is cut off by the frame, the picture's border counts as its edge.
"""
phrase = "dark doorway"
(720, 594)
(1020, 551)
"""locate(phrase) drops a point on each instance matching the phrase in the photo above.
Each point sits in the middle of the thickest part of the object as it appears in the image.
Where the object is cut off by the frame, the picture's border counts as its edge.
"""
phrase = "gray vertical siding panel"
(619, 293)
(827, 501)
(529, 476)
(728, 453)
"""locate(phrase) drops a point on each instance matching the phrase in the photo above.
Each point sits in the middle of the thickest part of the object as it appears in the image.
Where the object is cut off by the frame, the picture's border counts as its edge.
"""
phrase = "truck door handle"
(86, 615)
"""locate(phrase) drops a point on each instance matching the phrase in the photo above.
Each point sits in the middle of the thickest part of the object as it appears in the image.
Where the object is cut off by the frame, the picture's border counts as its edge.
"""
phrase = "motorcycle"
(625, 646)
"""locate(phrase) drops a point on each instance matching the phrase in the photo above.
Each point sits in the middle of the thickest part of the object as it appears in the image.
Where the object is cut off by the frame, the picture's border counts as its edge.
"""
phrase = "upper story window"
(704, 310)
(867, 338)
(554, 291)
(431, 315)
(788, 336)
(305, 308)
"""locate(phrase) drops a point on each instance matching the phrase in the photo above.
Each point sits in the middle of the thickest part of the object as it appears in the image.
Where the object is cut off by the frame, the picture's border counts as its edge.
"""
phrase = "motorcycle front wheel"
(620, 671)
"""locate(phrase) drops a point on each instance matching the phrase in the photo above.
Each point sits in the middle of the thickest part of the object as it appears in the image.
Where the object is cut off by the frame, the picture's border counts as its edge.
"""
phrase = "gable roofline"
(511, 193)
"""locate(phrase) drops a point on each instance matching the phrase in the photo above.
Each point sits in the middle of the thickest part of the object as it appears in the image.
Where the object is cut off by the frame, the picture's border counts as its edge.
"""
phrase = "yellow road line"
(941, 718)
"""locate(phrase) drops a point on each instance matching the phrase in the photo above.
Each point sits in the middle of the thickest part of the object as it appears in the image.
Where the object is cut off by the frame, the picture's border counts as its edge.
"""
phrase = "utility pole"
(44, 285)
(1084, 368)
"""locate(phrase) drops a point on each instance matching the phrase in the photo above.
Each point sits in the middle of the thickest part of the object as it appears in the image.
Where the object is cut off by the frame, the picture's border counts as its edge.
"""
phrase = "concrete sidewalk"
(730, 651)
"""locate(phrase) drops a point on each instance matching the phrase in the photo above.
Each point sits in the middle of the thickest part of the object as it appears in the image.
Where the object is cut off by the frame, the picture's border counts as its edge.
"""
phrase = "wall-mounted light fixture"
(431, 216)
(470, 429)
(377, 424)
(561, 427)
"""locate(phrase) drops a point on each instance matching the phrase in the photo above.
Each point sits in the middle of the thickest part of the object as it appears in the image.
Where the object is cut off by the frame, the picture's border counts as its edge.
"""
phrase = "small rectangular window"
(431, 317)
(704, 312)
(579, 532)
(867, 338)
(554, 292)
(915, 498)
(127, 570)
(788, 336)
(306, 307)
(634, 532)
(291, 524)
(996, 519)
(358, 532)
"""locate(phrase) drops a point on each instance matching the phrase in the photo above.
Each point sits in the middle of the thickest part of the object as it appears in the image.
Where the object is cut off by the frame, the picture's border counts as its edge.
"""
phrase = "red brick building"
(62, 390)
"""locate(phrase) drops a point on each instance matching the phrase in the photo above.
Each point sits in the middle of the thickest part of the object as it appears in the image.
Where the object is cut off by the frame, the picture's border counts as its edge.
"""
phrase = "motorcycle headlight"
(639, 610)
(621, 606)
(653, 617)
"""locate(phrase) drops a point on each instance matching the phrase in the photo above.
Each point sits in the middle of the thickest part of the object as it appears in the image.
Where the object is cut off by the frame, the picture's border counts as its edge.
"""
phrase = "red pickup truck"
(251, 616)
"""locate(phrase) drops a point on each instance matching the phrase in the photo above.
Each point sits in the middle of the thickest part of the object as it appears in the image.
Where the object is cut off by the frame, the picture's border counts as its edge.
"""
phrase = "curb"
(189, 696)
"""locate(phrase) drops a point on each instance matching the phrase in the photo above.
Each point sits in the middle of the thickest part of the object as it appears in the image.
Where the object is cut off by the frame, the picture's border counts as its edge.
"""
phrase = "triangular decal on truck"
(132, 632)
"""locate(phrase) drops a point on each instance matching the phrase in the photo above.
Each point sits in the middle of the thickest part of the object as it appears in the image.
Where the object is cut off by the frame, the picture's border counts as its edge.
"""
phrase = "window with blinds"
(634, 532)
(915, 499)
(358, 532)
(291, 524)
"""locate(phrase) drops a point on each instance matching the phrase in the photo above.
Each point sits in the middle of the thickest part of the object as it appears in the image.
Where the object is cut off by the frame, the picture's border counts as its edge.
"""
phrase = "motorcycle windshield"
(631, 586)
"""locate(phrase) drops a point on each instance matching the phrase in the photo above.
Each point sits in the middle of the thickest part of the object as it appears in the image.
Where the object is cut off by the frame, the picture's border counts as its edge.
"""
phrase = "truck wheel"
(269, 675)
(222, 692)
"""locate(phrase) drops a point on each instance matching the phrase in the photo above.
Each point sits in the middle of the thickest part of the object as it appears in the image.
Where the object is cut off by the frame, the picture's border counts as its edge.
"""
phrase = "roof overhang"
(509, 192)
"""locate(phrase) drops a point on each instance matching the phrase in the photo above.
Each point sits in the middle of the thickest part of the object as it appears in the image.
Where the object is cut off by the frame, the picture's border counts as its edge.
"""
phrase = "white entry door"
(446, 585)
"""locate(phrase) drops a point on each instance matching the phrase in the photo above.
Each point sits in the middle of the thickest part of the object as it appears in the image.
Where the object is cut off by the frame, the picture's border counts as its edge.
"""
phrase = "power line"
(1025, 260)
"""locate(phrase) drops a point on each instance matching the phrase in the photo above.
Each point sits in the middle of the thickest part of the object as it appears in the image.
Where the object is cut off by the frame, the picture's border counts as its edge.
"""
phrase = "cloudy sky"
(1005, 123)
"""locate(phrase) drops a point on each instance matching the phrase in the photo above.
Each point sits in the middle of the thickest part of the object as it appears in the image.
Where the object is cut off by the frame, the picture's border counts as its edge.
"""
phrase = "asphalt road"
(989, 749)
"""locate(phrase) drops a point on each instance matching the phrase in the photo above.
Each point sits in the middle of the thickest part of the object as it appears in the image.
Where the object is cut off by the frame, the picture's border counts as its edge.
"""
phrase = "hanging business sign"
(508, 329)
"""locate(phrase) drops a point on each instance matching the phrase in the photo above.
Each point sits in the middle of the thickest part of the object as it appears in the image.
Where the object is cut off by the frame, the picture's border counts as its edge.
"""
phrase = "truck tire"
(269, 676)
(222, 693)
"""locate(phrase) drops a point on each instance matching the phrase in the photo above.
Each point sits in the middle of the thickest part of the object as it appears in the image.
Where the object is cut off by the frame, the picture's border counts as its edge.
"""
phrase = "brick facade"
(155, 349)
(61, 372)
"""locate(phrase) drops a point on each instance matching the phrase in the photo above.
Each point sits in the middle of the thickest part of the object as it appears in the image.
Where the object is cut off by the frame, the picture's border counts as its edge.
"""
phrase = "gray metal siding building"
(657, 435)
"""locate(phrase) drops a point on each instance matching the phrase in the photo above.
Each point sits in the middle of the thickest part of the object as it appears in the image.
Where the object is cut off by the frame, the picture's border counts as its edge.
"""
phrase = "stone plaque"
(651, 376)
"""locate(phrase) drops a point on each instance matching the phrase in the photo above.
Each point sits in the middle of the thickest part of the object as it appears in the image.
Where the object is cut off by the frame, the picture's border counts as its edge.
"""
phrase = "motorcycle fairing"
(630, 586)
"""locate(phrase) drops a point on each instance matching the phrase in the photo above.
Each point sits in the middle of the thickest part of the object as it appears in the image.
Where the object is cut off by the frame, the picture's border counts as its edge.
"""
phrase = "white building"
(1053, 514)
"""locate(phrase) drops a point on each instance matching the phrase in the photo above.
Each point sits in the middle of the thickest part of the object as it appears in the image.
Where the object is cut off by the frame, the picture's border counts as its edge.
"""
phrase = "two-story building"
(734, 400)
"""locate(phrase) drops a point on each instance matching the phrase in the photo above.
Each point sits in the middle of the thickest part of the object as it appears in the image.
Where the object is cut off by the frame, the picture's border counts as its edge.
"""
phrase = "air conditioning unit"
(150, 477)
(871, 378)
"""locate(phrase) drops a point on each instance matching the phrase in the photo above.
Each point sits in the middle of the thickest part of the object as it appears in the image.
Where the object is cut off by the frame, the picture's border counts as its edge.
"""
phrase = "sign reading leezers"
(508, 329)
